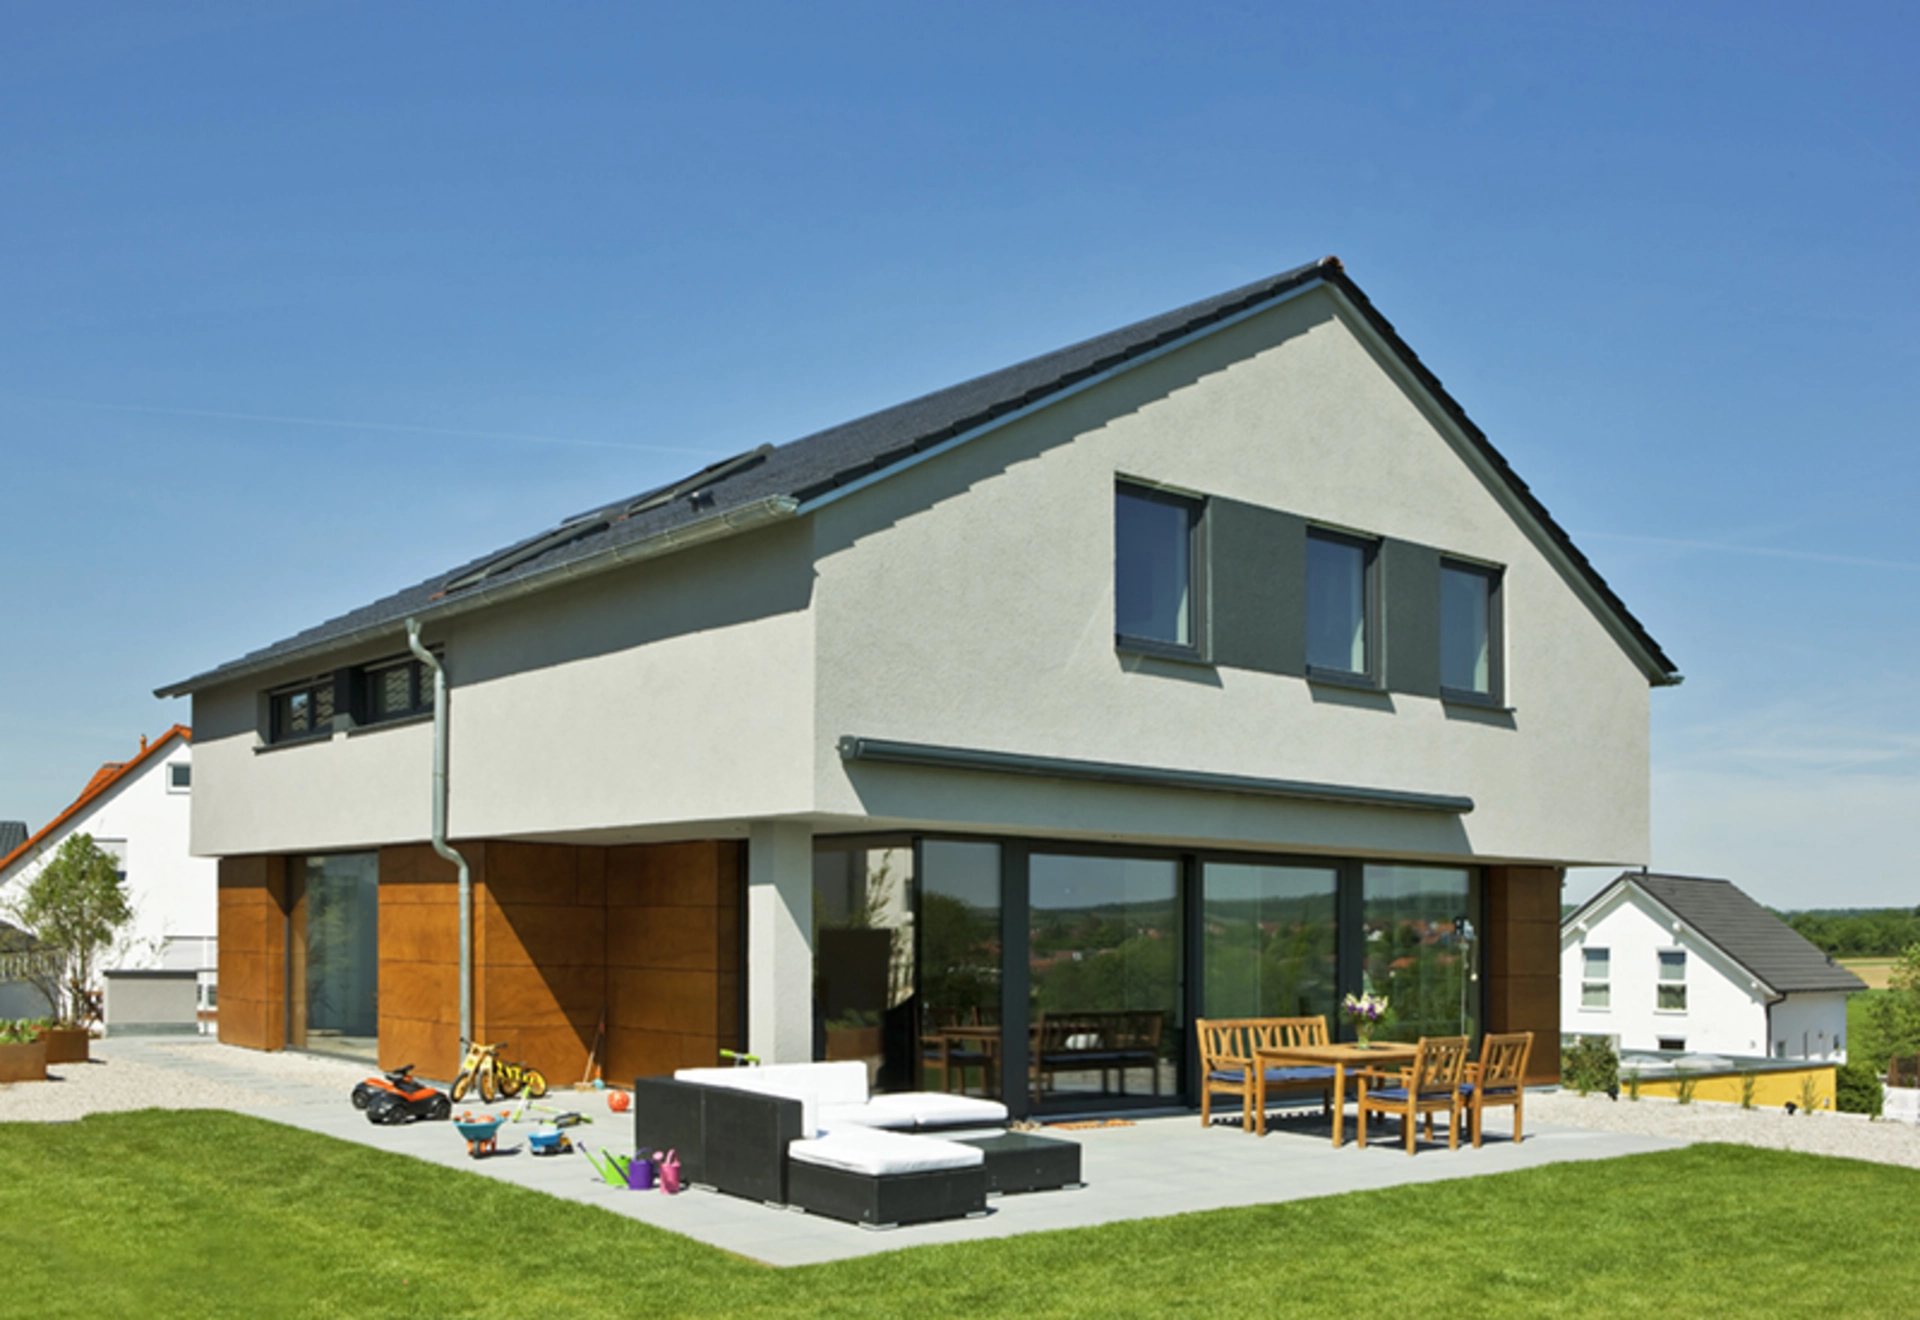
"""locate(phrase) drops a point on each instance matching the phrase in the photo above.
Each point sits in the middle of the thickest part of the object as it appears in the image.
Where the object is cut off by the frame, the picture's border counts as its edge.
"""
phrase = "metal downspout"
(432, 662)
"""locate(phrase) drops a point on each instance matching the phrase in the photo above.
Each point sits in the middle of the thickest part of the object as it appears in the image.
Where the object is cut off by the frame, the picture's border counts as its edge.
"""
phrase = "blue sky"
(303, 302)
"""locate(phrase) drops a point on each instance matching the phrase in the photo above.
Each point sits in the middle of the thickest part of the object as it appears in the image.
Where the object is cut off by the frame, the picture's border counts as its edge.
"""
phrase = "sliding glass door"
(333, 977)
(1268, 944)
(1106, 976)
(1421, 949)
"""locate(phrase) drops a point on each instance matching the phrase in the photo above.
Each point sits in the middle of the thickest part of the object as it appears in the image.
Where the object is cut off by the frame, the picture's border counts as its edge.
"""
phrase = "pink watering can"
(669, 1165)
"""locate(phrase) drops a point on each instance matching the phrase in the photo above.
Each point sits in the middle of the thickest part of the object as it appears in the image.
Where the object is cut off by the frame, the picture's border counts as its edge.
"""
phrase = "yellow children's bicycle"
(485, 1070)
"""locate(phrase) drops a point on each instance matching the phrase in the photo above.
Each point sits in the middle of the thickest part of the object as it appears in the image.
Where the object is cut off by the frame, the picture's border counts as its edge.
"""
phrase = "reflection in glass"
(1269, 941)
(1153, 572)
(1465, 630)
(340, 967)
(863, 960)
(960, 1032)
(1336, 604)
(1106, 974)
(1420, 949)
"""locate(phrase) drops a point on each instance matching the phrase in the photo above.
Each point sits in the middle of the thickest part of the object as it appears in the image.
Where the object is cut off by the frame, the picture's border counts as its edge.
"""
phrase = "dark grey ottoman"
(1023, 1162)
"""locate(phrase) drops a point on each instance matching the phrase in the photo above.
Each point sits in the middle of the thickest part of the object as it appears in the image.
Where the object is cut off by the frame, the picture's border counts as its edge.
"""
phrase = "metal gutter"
(880, 751)
(431, 661)
(743, 518)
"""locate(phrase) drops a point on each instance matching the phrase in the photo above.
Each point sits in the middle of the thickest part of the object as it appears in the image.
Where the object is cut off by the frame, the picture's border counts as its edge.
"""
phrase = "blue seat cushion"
(1400, 1093)
(1300, 1074)
(1466, 1089)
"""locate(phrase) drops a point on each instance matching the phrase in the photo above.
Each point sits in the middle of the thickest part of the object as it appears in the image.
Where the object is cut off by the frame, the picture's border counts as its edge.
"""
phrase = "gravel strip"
(147, 1075)
(1852, 1136)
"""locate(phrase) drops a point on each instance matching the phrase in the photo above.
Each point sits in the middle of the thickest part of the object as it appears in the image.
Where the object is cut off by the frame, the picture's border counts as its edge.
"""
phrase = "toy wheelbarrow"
(482, 1137)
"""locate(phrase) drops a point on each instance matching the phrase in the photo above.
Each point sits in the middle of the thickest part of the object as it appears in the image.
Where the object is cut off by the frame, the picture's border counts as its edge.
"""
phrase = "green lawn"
(219, 1214)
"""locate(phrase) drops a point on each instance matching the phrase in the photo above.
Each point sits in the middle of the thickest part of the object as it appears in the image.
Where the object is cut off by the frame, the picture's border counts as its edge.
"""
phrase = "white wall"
(1726, 1009)
(672, 696)
(175, 894)
(969, 602)
(1814, 1026)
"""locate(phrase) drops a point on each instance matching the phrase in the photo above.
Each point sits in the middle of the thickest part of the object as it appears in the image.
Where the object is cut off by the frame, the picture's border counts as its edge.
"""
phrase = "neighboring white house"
(139, 811)
(1668, 962)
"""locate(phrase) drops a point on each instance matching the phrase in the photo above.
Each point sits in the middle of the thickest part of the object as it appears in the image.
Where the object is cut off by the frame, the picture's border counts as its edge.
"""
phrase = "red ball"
(618, 1101)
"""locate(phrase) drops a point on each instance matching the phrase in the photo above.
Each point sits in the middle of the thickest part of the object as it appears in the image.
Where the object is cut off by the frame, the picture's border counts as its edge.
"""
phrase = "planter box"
(24, 1063)
(67, 1044)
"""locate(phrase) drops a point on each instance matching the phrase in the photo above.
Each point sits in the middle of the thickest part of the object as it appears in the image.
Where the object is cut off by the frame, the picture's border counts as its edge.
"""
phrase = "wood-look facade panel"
(1523, 961)
(252, 951)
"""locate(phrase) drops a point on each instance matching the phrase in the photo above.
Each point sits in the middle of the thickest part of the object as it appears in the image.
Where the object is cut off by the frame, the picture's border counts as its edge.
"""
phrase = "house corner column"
(780, 941)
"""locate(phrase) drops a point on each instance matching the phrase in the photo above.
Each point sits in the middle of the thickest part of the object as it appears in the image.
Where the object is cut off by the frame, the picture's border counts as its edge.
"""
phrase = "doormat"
(1093, 1123)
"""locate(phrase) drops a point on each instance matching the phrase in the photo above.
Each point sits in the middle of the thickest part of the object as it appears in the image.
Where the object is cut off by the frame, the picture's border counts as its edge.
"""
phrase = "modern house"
(139, 812)
(1215, 666)
(1677, 963)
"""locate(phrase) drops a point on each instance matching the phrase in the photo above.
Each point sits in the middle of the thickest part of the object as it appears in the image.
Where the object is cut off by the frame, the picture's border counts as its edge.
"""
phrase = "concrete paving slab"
(1157, 1166)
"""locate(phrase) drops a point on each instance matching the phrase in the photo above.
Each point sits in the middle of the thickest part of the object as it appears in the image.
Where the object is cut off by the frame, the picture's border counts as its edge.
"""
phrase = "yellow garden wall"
(1771, 1089)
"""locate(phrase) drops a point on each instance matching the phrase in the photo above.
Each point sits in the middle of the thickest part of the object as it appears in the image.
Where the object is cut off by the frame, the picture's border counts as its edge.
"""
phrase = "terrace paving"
(1160, 1165)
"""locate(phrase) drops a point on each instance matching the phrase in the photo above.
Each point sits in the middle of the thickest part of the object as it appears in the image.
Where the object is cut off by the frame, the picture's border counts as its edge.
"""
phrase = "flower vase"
(1365, 1035)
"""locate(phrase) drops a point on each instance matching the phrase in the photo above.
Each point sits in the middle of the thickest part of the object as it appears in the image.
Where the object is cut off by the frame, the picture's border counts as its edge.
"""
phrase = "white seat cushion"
(876, 1154)
(933, 1109)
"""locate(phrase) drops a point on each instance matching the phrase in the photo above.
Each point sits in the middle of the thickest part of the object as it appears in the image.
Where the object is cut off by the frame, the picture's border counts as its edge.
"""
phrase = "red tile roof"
(103, 779)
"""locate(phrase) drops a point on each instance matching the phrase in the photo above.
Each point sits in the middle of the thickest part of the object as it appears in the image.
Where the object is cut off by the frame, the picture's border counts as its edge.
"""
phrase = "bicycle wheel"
(461, 1085)
(509, 1080)
(488, 1088)
(535, 1083)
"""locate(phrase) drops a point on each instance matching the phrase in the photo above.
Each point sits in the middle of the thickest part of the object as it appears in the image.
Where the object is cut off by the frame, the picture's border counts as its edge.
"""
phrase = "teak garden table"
(1339, 1057)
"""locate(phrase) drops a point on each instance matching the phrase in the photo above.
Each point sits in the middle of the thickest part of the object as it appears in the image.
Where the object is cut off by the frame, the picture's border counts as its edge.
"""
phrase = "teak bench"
(1227, 1048)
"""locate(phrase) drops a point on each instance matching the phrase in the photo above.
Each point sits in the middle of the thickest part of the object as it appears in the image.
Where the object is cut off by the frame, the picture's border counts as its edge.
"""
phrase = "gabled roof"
(1767, 947)
(103, 781)
(770, 483)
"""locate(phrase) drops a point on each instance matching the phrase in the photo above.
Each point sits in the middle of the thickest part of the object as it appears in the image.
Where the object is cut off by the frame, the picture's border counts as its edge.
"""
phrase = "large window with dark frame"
(1156, 570)
(1469, 631)
(377, 693)
(396, 689)
(1341, 606)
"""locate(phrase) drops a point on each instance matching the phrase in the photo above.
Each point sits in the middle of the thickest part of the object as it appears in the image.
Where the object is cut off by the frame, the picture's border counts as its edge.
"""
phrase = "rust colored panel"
(433, 1048)
(419, 932)
(684, 1003)
(663, 874)
(243, 1022)
(632, 1054)
(544, 996)
(560, 1053)
(531, 872)
(419, 991)
(684, 938)
(727, 1009)
(243, 973)
(590, 877)
(532, 934)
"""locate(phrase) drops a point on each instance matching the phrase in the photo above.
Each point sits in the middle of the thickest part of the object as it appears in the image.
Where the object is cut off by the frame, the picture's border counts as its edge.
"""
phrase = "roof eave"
(726, 523)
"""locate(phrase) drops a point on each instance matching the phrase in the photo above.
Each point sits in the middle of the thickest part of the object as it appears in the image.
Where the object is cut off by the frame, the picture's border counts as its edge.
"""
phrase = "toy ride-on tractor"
(397, 1097)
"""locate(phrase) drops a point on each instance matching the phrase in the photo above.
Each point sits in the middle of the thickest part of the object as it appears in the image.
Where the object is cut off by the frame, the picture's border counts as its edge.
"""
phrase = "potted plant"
(23, 1056)
(74, 907)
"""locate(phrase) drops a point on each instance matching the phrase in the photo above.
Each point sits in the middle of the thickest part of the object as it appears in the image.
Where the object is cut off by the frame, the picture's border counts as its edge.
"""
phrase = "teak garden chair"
(1227, 1063)
(1428, 1085)
(1500, 1078)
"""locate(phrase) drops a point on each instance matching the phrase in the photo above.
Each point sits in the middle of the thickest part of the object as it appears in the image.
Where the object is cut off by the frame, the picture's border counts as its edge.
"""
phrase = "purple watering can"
(640, 1174)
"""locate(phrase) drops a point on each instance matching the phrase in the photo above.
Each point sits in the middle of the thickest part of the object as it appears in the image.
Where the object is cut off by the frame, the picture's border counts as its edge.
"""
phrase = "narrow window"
(1155, 569)
(303, 710)
(397, 690)
(1596, 989)
(179, 776)
(1672, 988)
(1469, 631)
(1340, 605)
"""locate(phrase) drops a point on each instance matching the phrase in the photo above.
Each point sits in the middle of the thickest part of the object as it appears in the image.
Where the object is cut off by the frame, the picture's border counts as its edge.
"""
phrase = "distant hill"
(1858, 932)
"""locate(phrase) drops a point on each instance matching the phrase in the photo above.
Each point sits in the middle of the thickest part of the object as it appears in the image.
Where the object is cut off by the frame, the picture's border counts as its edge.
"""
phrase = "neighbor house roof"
(103, 781)
(776, 482)
(1746, 932)
(13, 833)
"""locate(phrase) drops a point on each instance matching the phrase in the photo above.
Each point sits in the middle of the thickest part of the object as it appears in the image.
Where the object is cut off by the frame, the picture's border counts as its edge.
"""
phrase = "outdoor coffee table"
(1023, 1162)
(1339, 1057)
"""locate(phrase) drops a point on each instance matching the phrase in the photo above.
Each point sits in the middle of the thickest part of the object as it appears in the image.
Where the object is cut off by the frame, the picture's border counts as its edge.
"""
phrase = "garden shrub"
(1857, 1089)
(1590, 1064)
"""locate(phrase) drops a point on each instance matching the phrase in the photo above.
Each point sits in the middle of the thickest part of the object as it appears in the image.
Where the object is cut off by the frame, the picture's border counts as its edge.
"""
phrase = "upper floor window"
(1156, 569)
(1341, 605)
(1596, 987)
(1672, 986)
(302, 710)
(1469, 630)
(179, 776)
(398, 689)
